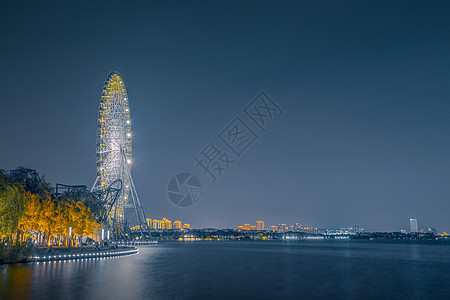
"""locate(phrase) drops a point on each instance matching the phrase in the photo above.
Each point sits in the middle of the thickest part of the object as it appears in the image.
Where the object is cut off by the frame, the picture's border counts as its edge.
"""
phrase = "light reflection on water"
(268, 270)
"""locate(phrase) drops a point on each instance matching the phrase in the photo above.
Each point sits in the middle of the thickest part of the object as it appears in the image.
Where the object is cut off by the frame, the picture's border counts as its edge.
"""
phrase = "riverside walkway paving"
(65, 253)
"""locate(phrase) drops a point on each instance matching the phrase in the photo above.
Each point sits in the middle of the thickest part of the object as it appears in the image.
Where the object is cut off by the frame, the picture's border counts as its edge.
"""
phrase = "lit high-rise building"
(157, 224)
(167, 224)
(246, 226)
(259, 225)
(177, 225)
(149, 223)
(413, 225)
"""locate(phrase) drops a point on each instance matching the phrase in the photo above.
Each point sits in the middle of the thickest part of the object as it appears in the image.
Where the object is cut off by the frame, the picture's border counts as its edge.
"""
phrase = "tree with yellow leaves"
(48, 218)
(25, 214)
(61, 222)
(81, 220)
(11, 207)
(29, 222)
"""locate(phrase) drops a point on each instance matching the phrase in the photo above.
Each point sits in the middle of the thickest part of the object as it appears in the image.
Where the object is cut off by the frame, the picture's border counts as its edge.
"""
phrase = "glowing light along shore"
(89, 255)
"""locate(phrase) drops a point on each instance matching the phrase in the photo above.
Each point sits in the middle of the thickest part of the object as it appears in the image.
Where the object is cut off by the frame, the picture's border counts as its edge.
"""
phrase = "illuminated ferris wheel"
(114, 159)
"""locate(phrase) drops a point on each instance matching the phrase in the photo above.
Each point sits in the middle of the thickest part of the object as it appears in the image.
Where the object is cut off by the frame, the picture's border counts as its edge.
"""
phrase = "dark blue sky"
(364, 86)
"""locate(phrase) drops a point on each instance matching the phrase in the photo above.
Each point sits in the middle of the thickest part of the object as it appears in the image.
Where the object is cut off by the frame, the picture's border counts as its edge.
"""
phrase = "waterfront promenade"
(65, 253)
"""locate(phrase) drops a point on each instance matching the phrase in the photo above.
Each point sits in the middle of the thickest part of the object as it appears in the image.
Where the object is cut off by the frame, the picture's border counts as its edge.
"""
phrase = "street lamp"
(70, 236)
(103, 235)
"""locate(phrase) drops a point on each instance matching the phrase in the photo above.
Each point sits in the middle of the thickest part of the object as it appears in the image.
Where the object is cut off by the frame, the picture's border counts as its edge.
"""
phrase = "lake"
(322, 269)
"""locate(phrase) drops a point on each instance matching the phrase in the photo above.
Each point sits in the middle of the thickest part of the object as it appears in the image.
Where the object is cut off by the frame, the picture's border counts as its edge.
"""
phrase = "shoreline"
(56, 254)
(75, 254)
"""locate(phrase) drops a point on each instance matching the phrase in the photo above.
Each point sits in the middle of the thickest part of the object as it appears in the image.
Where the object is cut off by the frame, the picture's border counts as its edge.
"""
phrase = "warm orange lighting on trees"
(24, 215)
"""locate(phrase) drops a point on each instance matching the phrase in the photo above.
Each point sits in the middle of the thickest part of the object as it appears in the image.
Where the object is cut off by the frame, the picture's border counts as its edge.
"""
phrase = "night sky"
(364, 86)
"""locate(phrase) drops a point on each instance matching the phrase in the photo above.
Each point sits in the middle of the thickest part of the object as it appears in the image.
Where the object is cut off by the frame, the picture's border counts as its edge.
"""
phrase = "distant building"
(431, 230)
(357, 229)
(260, 225)
(245, 227)
(157, 224)
(413, 225)
(167, 224)
(282, 227)
(177, 225)
(351, 230)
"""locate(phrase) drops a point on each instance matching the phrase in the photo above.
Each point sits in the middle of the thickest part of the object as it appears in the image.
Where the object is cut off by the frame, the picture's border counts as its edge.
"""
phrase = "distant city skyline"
(260, 225)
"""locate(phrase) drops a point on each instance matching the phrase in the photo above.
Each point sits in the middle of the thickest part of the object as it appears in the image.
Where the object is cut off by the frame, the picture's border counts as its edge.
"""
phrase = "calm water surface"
(244, 269)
